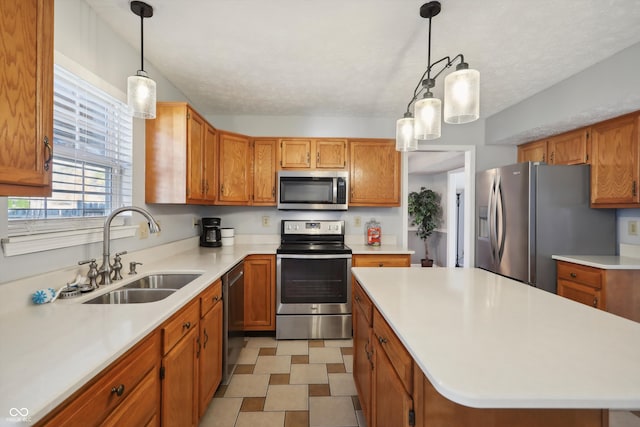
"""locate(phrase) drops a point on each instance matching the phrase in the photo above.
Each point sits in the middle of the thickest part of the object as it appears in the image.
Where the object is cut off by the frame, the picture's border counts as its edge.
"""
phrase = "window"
(92, 163)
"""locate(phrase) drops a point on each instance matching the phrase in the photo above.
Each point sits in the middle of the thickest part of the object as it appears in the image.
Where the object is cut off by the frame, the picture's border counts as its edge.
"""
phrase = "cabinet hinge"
(188, 115)
(633, 188)
(412, 417)
(162, 372)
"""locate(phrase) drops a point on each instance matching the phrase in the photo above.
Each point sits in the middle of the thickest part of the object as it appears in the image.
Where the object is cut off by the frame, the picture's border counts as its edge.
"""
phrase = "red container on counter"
(373, 233)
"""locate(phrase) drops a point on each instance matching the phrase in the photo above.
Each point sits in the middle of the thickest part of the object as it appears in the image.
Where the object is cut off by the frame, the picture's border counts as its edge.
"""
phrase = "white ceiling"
(364, 57)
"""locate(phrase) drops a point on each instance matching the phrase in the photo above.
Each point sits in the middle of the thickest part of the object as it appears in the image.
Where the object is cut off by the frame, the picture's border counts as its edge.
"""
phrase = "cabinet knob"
(574, 275)
(595, 301)
(118, 390)
(380, 265)
(357, 298)
(382, 340)
(186, 325)
(216, 298)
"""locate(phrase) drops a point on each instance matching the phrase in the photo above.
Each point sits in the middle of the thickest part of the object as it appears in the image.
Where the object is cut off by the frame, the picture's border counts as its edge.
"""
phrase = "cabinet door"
(195, 156)
(391, 402)
(362, 363)
(259, 293)
(264, 172)
(142, 407)
(535, 151)
(374, 173)
(614, 162)
(295, 153)
(381, 260)
(26, 110)
(210, 356)
(569, 148)
(235, 168)
(331, 154)
(580, 293)
(210, 164)
(179, 386)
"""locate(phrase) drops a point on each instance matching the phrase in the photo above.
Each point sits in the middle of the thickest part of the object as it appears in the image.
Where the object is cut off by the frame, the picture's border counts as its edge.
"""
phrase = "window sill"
(20, 245)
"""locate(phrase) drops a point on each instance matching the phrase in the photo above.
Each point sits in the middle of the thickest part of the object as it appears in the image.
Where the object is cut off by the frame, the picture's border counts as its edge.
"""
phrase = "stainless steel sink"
(131, 296)
(162, 281)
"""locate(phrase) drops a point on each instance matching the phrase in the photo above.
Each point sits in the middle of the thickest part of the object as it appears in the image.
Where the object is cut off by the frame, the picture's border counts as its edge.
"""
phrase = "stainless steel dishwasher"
(233, 325)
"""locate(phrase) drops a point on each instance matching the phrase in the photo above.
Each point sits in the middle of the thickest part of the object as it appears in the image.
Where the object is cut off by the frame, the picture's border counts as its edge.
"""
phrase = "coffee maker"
(210, 236)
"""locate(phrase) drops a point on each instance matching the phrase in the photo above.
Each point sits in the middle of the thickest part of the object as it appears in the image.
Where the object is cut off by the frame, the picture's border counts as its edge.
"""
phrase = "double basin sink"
(149, 288)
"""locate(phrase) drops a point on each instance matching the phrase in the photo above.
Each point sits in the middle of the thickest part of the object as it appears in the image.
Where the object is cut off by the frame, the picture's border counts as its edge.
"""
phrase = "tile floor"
(301, 383)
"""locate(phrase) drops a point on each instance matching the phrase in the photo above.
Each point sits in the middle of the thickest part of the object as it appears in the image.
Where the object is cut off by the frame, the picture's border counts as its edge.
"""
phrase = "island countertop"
(486, 341)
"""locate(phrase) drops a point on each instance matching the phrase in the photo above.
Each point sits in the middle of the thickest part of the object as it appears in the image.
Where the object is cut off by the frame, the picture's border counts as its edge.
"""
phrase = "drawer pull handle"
(383, 340)
(206, 339)
(186, 325)
(118, 390)
(216, 298)
(574, 275)
(358, 298)
(595, 301)
(381, 265)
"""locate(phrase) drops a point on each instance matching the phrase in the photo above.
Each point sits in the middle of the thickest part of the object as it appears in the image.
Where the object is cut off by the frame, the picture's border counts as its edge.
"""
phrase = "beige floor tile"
(309, 374)
(342, 385)
(623, 419)
(248, 386)
(348, 362)
(292, 347)
(338, 343)
(325, 355)
(331, 412)
(296, 419)
(222, 412)
(286, 398)
(248, 355)
(261, 342)
(260, 419)
(272, 365)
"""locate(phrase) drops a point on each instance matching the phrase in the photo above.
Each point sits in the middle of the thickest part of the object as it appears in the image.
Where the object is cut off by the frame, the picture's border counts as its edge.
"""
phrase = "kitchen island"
(485, 341)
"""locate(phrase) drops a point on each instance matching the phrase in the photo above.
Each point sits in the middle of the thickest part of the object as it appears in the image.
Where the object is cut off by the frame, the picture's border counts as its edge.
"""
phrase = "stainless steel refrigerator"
(527, 212)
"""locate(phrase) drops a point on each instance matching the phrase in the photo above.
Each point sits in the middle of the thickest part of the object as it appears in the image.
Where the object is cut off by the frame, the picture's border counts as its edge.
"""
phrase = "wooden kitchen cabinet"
(181, 149)
(307, 153)
(264, 171)
(570, 148)
(381, 260)
(179, 372)
(210, 361)
(535, 151)
(130, 382)
(235, 169)
(615, 165)
(362, 347)
(615, 291)
(26, 110)
(260, 293)
(374, 173)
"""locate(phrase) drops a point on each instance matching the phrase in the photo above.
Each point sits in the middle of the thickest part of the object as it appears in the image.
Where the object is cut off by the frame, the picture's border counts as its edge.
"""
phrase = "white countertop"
(490, 342)
(49, 351)
(606, 262)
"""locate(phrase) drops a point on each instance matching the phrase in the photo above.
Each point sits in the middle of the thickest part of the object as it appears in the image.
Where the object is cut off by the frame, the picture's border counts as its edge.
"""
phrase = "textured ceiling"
(364, 57)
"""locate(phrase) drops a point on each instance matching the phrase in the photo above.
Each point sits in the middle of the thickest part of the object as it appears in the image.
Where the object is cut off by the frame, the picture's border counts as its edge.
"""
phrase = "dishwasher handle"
(235, 278)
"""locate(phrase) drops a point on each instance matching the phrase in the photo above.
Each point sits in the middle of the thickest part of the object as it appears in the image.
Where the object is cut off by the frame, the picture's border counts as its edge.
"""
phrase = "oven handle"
(319, 256)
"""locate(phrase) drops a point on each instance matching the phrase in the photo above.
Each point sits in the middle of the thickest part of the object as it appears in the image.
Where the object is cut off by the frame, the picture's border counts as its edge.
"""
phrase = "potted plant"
(425, 211)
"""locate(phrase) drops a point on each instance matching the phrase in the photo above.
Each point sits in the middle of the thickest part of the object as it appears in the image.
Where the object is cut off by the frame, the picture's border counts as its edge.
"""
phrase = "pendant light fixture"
(461, 95)
(141, 90)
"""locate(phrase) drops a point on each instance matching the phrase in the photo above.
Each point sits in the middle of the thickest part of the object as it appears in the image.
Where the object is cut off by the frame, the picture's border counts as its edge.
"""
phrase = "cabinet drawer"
(93, 404)
(210, 297)
(580, 273)
(397, 354)
(361, 300)
(381, 261)
(179, 325)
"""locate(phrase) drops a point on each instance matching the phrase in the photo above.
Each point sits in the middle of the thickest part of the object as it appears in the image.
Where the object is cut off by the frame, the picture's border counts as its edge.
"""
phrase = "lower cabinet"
(362, 347)
(210, 362)
(260, 293)
(381, 260)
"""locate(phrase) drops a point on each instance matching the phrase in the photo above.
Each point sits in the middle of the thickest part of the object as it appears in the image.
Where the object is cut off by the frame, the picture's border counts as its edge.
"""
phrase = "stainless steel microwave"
(313, 190)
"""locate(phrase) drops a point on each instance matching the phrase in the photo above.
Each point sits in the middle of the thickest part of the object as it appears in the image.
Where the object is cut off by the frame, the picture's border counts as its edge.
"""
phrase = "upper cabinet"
(614, 163)
(569, 148)
(235, 169)
(264, 171)
(535, 151)
(300, 153)
(181, 149)
(374, 173)
(26, 107)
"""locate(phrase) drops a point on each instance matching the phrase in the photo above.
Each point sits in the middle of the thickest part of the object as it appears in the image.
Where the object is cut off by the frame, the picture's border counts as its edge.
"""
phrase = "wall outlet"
(632, 228)
(266, 221)
(143, 230)
(357, 221)
(196, 222)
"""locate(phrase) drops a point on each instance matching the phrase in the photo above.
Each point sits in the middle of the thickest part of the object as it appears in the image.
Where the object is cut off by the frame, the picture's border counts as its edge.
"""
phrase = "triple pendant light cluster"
(141, 90)
(461, 96)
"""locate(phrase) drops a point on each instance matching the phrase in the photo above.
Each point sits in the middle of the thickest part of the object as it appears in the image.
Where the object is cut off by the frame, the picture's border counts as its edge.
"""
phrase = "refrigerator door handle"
(500, 222)
(491, 219)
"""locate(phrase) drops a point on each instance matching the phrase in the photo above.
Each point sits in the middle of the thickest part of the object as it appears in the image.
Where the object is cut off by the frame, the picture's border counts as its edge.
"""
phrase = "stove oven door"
(313, 284)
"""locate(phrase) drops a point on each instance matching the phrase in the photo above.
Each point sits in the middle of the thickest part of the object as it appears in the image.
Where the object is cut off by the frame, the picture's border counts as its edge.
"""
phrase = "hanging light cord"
(141, 42)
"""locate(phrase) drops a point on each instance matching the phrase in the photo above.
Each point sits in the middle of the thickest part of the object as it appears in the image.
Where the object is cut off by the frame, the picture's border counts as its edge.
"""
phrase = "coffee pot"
(210, 236)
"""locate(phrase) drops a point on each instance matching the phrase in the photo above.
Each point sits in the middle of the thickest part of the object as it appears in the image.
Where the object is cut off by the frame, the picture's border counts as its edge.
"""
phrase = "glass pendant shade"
(404, 135)
(428, 113)
(462, 96)
(141, 95)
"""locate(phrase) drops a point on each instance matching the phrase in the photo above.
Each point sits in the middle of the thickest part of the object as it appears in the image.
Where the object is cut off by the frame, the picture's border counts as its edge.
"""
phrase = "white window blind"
(92, 161)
